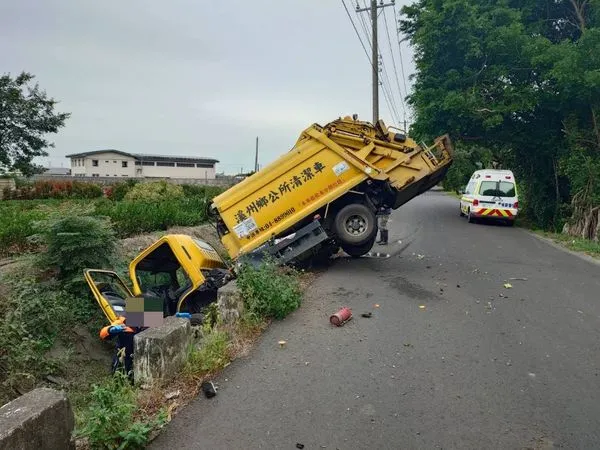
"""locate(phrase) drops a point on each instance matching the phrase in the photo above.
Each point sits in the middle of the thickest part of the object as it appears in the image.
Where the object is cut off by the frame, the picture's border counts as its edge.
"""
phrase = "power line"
(387, 31)
(357, 33)
(389, 91)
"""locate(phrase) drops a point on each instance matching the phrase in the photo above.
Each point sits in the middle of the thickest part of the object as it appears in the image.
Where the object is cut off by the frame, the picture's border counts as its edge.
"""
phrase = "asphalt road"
(450, 359)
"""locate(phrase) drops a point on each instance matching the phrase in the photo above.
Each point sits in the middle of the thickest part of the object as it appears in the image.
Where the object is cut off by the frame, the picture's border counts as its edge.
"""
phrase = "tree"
(26, 116)
(520, 78)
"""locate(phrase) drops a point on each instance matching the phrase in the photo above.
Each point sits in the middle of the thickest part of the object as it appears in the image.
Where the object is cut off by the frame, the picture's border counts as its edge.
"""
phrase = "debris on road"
(376, 305)
(209, 389)
(282, 343)
(367, 315)
(518, 279)
(341, 317)
(172, 395)
(421, 306)
(507, 285)
(299, 445)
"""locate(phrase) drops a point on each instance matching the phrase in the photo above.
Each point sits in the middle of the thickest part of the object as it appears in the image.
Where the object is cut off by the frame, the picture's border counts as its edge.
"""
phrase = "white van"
(490, 194)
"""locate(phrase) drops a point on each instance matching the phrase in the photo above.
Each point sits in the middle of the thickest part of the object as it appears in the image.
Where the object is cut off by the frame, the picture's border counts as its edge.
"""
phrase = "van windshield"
(497, 189)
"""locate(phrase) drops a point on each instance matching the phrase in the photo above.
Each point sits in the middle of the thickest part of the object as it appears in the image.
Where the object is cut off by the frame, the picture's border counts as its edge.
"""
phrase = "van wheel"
(470, 217)
(356, 251)
(462, 214)
(355, 225)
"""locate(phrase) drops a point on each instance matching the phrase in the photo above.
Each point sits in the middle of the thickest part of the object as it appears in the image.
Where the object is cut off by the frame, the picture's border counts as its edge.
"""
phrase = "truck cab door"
(109, 291)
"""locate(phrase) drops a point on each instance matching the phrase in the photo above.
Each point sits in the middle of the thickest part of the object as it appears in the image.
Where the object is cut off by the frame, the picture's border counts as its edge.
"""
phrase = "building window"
(203, 165)
(165, 164)
(138, 163)
(95, 162)
(114, 162)
(106, 162)
(147, 163)
(124, 175)
(95, 174)
(107, 174)
(185, 164)
(123, 163)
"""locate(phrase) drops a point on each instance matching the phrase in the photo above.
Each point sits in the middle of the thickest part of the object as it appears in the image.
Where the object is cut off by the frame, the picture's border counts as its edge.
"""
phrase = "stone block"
(40, 419)
(230, 302)
(159, 353)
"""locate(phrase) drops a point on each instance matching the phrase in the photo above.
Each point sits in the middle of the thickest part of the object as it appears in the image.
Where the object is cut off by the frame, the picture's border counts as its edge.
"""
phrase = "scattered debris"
(209, 389)
(507, 285)
(341, 317)
(367, 315)
(407, 344)
(299, 445)
(376, 305)
(421, 306)
(282, 343)
(458, 285)
(420, 256)
(428, 267)
(172, 395)
(518, 279)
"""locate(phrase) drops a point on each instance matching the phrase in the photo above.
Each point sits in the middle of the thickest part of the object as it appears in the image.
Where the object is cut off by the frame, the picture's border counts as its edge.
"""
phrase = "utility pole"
(375, 51)
(256, 156)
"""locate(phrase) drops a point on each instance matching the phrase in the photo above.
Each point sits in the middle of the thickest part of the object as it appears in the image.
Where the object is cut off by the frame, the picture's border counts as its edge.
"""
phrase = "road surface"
(450, 359)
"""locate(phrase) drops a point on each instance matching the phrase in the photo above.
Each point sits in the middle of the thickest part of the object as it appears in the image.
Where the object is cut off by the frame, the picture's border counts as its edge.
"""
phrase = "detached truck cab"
(324, 193)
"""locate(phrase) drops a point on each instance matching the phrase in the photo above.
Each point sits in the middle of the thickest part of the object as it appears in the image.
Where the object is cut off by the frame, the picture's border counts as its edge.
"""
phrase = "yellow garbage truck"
(324, 193)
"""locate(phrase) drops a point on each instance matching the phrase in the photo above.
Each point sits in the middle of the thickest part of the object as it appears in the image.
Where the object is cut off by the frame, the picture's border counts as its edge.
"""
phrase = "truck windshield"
(497, 189)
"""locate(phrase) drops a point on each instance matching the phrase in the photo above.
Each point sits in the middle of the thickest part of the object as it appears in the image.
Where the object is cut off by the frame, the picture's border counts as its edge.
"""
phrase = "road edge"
(550, 242)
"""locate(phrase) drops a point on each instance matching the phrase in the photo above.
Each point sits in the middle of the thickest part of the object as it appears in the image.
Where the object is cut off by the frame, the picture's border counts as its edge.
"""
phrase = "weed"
(212, 355)
(110, 419)
(154, 192)
(269, 291)
(586, 246)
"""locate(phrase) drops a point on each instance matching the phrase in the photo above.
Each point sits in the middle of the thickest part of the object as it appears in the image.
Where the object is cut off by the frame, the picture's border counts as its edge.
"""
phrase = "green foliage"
(75, 242)
(196, 190)
(269, 291)
(110, 421)
(519, 79)
(155, 192)
(466, 161)
(211, 355)
(132, 217)
(27, 116)
(16, 225)
(119, 190)
(35, 314)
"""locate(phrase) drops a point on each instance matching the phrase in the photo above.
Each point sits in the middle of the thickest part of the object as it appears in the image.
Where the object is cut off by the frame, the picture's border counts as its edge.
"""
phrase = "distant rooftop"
(147, 157)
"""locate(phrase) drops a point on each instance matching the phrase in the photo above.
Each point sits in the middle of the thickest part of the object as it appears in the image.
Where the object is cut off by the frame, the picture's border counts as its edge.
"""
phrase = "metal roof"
(147, 157)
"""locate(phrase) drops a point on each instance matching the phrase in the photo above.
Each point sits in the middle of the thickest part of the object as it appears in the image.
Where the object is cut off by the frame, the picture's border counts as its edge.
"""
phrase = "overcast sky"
(193, 77)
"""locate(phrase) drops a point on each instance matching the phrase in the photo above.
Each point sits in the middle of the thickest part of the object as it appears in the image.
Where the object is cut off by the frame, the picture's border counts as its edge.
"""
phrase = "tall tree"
(26, 116)
(519, 77)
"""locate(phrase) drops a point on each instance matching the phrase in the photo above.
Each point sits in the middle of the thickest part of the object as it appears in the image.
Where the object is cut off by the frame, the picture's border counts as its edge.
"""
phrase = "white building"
(115, 163)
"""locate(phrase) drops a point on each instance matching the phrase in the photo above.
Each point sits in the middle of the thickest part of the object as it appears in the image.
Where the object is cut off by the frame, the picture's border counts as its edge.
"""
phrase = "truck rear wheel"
(355, 225)
(356, 251)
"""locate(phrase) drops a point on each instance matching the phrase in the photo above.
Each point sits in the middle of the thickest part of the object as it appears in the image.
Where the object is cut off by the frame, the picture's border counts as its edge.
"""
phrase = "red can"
(341, 317)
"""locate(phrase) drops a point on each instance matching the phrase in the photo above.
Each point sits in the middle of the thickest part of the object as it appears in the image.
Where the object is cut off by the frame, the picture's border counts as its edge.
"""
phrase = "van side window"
(470, 188)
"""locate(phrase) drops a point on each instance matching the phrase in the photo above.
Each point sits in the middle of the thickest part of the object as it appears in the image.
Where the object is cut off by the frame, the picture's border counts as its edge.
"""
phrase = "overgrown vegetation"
(269, 291)
(110, 420)
(517, 83)
(129, 217)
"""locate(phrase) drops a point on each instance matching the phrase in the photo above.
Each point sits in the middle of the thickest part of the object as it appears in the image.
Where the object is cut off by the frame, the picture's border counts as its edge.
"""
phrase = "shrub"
(110, 421)
(132, 217)
(75, 242)
(269, 291)
(196, 190)
(155, 191)
(56, 189)
(119, 190)
(212, 355)
(16, 224)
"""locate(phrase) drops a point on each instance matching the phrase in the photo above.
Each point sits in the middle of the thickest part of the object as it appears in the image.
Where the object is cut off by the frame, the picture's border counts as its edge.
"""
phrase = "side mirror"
(461, 191)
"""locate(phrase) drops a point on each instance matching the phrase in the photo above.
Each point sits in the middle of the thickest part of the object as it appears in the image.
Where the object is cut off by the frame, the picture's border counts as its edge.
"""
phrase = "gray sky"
(193, 77)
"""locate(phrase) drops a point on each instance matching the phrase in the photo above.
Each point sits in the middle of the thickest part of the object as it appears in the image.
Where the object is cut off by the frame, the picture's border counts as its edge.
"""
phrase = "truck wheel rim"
(356, 225)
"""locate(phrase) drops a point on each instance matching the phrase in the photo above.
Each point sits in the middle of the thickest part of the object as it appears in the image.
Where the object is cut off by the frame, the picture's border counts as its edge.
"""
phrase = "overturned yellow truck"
(324, 193)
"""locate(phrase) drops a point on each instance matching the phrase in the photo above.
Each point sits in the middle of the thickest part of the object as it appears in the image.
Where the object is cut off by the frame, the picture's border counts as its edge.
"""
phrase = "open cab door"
(109, 291)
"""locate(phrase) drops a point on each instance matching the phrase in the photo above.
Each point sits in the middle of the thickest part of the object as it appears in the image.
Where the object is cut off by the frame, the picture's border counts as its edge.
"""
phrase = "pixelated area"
(144, 312)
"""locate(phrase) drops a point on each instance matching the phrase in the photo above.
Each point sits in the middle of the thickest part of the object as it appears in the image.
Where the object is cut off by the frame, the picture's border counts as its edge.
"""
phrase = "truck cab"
(184, 272)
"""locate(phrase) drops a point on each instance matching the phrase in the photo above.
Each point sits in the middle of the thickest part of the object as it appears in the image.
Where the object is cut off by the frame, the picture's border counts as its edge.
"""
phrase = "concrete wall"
(110, 164)
(203, 173)
(40, 419)
(227, 181)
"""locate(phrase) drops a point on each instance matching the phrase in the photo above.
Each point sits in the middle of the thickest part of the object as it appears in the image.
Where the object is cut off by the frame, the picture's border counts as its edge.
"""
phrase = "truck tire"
(355, 225)
(356, 251)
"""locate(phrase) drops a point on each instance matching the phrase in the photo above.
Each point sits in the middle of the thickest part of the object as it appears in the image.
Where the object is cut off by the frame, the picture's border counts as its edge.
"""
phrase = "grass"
(590, 248)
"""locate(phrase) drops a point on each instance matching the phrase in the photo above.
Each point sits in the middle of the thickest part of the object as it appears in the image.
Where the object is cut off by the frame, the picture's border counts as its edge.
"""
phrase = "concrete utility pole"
(256, 156)
(375, 51)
